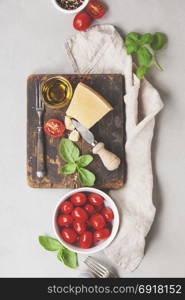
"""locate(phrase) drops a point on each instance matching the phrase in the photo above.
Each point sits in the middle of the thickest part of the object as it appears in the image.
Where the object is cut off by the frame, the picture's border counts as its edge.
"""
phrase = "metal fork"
(98, 269)
(41, 171)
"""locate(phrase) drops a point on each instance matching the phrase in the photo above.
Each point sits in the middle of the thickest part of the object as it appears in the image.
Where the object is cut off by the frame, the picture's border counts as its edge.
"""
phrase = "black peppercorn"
(70, 4)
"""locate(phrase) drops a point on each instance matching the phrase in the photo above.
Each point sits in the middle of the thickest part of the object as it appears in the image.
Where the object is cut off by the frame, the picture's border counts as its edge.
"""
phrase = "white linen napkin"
(101, 50)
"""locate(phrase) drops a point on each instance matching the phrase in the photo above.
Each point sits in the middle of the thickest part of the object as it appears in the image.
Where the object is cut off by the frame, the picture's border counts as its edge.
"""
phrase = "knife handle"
(41, 171)
(109, 159)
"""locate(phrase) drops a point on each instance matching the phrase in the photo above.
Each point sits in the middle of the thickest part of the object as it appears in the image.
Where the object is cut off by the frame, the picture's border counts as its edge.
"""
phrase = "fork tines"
(39, 102)
(98, 269)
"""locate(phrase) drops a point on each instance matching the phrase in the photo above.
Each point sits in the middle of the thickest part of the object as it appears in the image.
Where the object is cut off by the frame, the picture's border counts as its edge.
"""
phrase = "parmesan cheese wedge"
(87, 106)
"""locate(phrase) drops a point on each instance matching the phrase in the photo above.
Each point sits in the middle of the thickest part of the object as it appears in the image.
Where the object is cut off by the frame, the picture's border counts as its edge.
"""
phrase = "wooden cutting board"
(110, 130)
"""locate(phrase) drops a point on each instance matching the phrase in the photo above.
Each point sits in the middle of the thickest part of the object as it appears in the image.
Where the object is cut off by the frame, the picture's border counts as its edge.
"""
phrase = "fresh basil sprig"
(69, 258)
(145, 47)
(75, 162)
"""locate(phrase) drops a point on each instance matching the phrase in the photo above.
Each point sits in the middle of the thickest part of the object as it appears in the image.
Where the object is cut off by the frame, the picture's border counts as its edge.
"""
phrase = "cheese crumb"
(74, 136)
(68, 123)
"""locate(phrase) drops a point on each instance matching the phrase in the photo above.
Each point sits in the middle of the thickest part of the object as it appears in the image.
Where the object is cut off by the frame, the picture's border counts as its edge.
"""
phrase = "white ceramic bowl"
(115, 223)
(72, 11)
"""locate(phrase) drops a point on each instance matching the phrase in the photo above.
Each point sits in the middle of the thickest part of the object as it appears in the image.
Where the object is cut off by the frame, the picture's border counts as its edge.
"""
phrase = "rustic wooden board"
(110, 130)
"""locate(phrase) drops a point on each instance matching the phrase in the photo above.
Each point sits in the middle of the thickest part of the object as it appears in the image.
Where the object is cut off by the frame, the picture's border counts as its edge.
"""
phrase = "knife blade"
(86, 134)
(109, 159)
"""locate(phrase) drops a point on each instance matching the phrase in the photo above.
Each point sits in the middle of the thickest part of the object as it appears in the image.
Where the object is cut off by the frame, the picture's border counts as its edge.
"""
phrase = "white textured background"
(32, 35)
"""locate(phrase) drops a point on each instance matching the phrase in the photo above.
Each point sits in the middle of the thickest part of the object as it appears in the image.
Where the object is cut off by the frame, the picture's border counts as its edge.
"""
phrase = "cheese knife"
(109, 159)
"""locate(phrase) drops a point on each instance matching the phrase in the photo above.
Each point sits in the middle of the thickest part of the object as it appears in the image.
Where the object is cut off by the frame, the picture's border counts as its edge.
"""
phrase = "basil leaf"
(159, 40)
(131, 46)
(68, 150)
(144, 57)
(59, 255)
(133, 36)
(84, 160)
(131, 49)
(49, 243)
(131, 42)
(141, 71)
(68, 168)
(69, 258)
(146, 38)
(86, 177)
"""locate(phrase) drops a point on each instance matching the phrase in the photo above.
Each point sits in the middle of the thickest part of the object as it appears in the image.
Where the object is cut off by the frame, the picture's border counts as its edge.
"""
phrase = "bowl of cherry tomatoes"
(86, 220)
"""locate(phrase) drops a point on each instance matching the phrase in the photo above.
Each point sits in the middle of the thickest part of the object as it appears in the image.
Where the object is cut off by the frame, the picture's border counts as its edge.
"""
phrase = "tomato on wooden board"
(101, 234)
(54, 128)
(96, 9)
(108, 214)
(82, 21)
(79, 199)
(64, 220)
(95, 199)
(97, 221)
(66, 207)
(69, 235)
(79, 227)
(86, 239)
(79, 214)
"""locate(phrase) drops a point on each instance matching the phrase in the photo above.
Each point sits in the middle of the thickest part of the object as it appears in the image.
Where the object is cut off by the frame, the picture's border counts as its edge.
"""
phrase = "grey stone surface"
(32, 35)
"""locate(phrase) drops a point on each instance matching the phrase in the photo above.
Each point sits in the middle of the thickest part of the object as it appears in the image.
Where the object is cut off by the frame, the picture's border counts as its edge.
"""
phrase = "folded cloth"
(101, 50)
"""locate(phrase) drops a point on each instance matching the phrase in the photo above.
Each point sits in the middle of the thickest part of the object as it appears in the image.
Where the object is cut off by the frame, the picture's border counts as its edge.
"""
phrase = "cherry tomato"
(79, 227)
(95, 199)
(69, 235)
(97, 221)
(88, 223)
(82, 21)
(86, 240)
(54, 128)
(79, 214)
(99, 208)
(64, 220)
(108, 214)
(101, 234)
(96, 9)
(78, 199)
(89, 209)
(78, 240)
(66, 207)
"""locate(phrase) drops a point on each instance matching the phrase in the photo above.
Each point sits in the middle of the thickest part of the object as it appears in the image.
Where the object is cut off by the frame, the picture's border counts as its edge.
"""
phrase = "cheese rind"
(87, 106)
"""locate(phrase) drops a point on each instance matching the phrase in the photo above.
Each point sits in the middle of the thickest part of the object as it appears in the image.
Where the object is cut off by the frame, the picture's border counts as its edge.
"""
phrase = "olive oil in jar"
(57, 92)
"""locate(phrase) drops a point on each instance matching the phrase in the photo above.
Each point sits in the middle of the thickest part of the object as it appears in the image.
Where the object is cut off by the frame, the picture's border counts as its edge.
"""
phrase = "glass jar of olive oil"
(57, 92)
